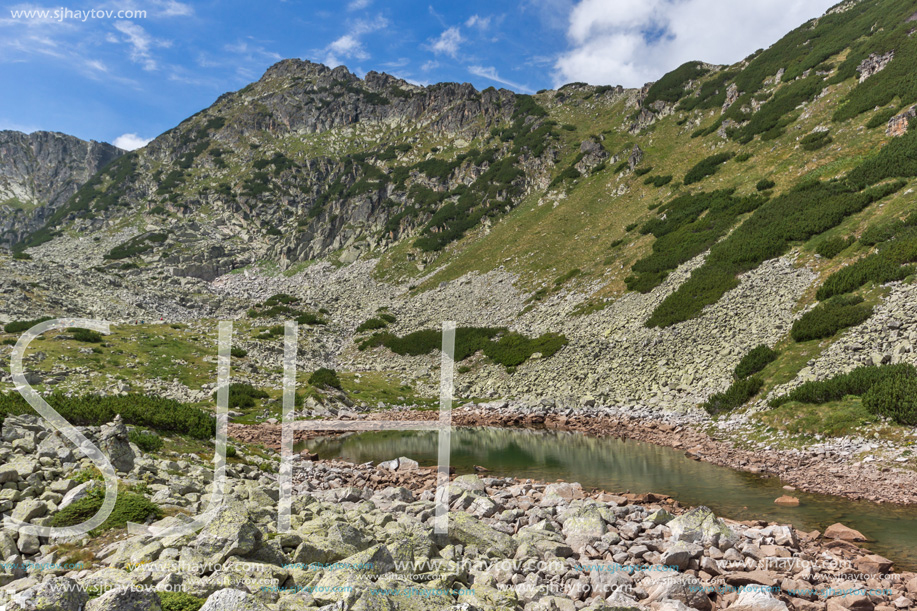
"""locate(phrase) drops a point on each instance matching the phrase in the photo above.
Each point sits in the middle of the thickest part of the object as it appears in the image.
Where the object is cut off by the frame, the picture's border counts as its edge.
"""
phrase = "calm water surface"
(618, 466)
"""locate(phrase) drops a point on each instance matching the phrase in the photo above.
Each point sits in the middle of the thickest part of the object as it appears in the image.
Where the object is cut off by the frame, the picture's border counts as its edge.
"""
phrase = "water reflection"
(619, 466)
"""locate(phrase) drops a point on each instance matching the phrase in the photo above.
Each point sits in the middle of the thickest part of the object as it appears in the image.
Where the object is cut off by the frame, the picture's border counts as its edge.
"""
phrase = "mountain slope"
(665, 232)
(39, 172)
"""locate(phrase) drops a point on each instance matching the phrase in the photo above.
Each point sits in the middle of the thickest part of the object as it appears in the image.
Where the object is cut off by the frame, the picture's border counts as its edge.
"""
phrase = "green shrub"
(136, 246)
(693, 223)
(764, 184)
(831, 247)
(23, 325)
(897, 159)
(129, 507)
(325, 377)
(827, 318)
(643, 171)
(671, 87)
(757, 359)
(887, 265)
(797, 215)
(856, 383)
(238, 352)
(21, 256)
(894, 397)
(146, 441)
(658, 181)
(881, 118)
(513, 349)
(179, 601)
(735, 396)
(815, 141)
(139, 410)
(85, 335)
(243, 394)
(707, 167)
(497, 343)
(371, 325)
(743, 157)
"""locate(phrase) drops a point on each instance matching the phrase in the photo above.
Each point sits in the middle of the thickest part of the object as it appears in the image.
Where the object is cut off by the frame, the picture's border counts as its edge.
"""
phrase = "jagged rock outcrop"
(39, 172)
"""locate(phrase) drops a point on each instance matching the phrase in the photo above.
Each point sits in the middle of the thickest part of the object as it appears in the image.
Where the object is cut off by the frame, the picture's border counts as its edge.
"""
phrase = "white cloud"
(490, 73)
(478, 21)
(428, 65)
(358, 5)
(610, 43)
(448, 42)
(130, 142)
(141, 43)
(349, 46)
(171, 8)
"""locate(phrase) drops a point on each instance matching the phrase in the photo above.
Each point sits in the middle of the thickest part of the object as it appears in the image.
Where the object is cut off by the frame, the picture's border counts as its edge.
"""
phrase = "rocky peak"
(39, 172)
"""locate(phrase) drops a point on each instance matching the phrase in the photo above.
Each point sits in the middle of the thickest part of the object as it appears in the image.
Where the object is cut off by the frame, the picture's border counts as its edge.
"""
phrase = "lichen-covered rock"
(468, 530)
(128, 599)
(232, 600)
(231, 533)
(698, 526)
(583, 526)
(55, 594)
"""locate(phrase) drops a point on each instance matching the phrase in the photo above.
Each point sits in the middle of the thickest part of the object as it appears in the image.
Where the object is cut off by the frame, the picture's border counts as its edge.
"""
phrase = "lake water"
(620, 466)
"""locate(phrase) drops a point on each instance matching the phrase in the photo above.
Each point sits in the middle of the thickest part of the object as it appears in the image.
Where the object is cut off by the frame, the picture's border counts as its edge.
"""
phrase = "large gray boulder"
(55, 594)
(230, 533)
(114, 442)
(127, 599)
(232, 600)
(700, 525)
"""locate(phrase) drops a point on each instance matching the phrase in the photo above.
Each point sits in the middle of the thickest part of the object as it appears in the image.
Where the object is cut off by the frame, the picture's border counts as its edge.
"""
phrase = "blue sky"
(125, 79)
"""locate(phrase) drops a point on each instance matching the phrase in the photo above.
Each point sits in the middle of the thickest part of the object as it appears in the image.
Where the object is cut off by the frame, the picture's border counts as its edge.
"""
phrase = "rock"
(839, 531)
(687, 591)
(787, 501)
(127, 599)
(78, 493)
(8, 474)
(468, 530)
(54, 594)
(114, 442)
(699, 525)
(873, 564)
(583, 526)
(757, 600)
(232, 600)
(230, 533)
(681, 554)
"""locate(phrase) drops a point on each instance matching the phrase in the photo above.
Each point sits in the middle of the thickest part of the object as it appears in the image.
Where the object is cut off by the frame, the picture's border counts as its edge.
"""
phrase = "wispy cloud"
(358, 5)
(141, 43)
(490, 73)
(476, 21)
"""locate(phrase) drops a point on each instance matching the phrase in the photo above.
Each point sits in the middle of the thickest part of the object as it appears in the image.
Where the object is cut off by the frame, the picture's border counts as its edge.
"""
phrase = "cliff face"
(39, 172)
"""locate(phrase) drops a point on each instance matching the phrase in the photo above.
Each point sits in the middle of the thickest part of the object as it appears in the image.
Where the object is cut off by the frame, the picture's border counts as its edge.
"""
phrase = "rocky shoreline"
(822, 472)
(362, 539)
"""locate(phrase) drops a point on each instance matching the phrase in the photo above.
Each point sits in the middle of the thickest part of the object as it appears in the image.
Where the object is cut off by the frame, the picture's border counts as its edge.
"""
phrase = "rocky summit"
(720, 262)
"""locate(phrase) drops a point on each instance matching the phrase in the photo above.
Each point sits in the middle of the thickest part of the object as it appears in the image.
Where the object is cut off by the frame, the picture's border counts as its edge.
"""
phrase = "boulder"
(699, 525)
(232, 600)
(839, 531)
(468, 530)
(114, 442)
(230, 533)
(127, 599)
(757, 600)
(55, 594)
